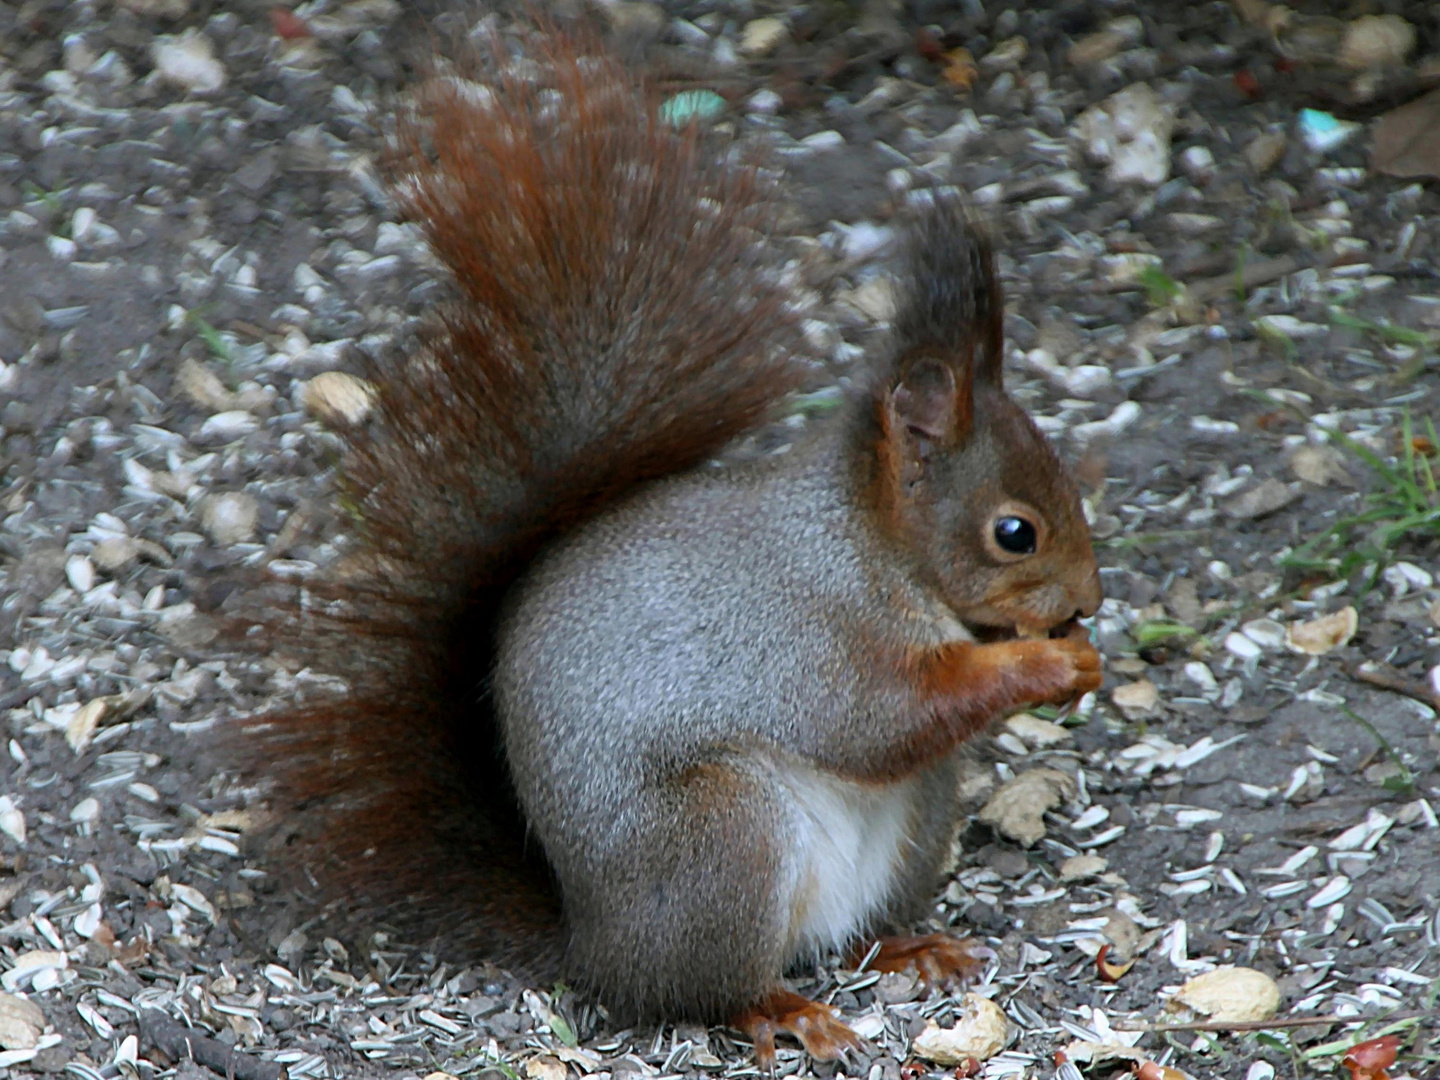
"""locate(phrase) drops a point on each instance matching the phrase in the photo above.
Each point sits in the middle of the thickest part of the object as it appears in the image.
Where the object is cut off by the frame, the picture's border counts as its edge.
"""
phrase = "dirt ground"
(191, 228)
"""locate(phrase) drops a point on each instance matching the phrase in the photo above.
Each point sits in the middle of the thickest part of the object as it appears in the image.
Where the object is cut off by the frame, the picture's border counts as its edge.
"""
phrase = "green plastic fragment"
(691, 105)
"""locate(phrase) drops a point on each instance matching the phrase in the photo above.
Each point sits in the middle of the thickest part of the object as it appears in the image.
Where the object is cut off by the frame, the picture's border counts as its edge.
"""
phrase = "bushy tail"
(614, 321)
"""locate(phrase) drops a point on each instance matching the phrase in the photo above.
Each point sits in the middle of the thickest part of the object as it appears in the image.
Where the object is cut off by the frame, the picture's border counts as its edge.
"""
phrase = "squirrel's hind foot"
(820, 1030)
(940, 961)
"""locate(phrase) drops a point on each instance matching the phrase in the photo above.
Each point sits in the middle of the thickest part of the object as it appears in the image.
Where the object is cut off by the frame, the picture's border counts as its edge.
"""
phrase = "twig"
(1251, 275)
(177, 1042)
(1269, 1025)
(1390, 679)
(1207, 289)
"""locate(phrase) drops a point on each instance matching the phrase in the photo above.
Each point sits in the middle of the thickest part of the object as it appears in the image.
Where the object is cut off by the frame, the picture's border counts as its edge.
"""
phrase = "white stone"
(1241, 646)
(188, 60)
(229, 517)
(764, 102)
(1198, 672)
(763, 36)
(62, 248)
(82, 224)
(1123, 416)
(80, 572)
(823, 140)
(227, 426)
(1198, 162)
(1131, 131)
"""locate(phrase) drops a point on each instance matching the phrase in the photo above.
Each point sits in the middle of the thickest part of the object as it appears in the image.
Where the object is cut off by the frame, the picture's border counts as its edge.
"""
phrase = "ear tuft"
(951, 299)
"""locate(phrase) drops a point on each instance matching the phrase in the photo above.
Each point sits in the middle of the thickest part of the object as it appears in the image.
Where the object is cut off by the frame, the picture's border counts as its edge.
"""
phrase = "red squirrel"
(619, 714)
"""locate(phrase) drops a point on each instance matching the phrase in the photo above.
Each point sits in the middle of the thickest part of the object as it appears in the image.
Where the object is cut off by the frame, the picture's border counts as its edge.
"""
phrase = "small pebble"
(188, 60)
(230, 517)
(763, 36)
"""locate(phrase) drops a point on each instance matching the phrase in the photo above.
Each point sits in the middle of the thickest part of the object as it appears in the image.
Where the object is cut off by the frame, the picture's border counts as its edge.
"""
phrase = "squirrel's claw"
(818, 1027)
(939, 960)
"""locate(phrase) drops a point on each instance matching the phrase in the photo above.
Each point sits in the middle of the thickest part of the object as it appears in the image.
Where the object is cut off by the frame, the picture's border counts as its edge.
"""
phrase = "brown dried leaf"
(1149, 1070)
(1137, 700)
(1376, 41)
(203, 386)
(1369, 1060)
(1110, 972)
(1319, 465)
(544, 1067)
(82, 725)
(960, 70)
(1265, 498)
(339, 399)
(1407, 139)
(1017, 810)
(1320, 636)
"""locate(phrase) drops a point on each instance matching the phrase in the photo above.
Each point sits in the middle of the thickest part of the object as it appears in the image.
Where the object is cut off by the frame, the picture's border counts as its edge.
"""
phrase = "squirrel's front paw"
(1072, 667)
(1056, 670)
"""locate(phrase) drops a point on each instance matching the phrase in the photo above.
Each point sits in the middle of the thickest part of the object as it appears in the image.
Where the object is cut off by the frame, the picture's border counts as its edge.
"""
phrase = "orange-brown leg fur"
(940, 961)
(820, 1030)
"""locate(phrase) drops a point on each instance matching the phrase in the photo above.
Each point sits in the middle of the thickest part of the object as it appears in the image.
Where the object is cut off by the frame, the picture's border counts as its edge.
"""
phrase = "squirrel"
(615, 712)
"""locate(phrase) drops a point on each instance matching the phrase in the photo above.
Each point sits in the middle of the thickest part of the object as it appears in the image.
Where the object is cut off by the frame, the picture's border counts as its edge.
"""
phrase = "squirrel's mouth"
(986, 635)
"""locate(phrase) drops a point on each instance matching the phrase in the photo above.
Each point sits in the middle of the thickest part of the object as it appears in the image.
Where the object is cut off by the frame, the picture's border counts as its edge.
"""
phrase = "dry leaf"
(1108, 972)
(1082, 867)
(83, 724)
(544, 1067)
(203, 387)
(980, 1032)
(1319, 465)
(1093, 1053)
(1320, 636)
(1407, 139)
(960, 70)
(1136, 700)
(235, 820)
(1033, 731)
(1228, 995)
(1124, 934)
(1369, 1060)
(290, 26)
(1149, 1070)
(1265, 150)
(1265, 498)
(1376, 41)
(1093, 48)
(337, 398)
(1017, 810)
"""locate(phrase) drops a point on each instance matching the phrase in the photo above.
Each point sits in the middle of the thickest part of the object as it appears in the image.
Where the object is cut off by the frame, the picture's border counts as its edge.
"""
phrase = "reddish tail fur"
(614, 322)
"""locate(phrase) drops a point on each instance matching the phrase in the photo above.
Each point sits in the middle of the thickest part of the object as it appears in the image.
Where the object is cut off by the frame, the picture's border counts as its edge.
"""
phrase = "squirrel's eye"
(1015, 535)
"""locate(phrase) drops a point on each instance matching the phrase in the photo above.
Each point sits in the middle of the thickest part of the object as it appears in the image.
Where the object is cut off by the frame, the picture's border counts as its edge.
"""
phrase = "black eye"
(1015, 535)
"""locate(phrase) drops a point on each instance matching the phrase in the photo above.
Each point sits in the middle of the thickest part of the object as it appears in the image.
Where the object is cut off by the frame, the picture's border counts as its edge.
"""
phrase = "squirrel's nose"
(1089, 595)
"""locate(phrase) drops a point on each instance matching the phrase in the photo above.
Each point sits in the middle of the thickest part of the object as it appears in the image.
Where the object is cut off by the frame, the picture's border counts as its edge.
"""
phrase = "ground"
(179, 257)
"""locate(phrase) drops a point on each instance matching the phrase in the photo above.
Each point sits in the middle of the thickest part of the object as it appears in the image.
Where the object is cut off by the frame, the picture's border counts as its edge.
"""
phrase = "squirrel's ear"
(933, 401)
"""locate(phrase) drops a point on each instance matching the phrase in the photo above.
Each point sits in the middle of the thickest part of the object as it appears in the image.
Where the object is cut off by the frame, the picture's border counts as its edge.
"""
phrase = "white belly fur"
(847, 845)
